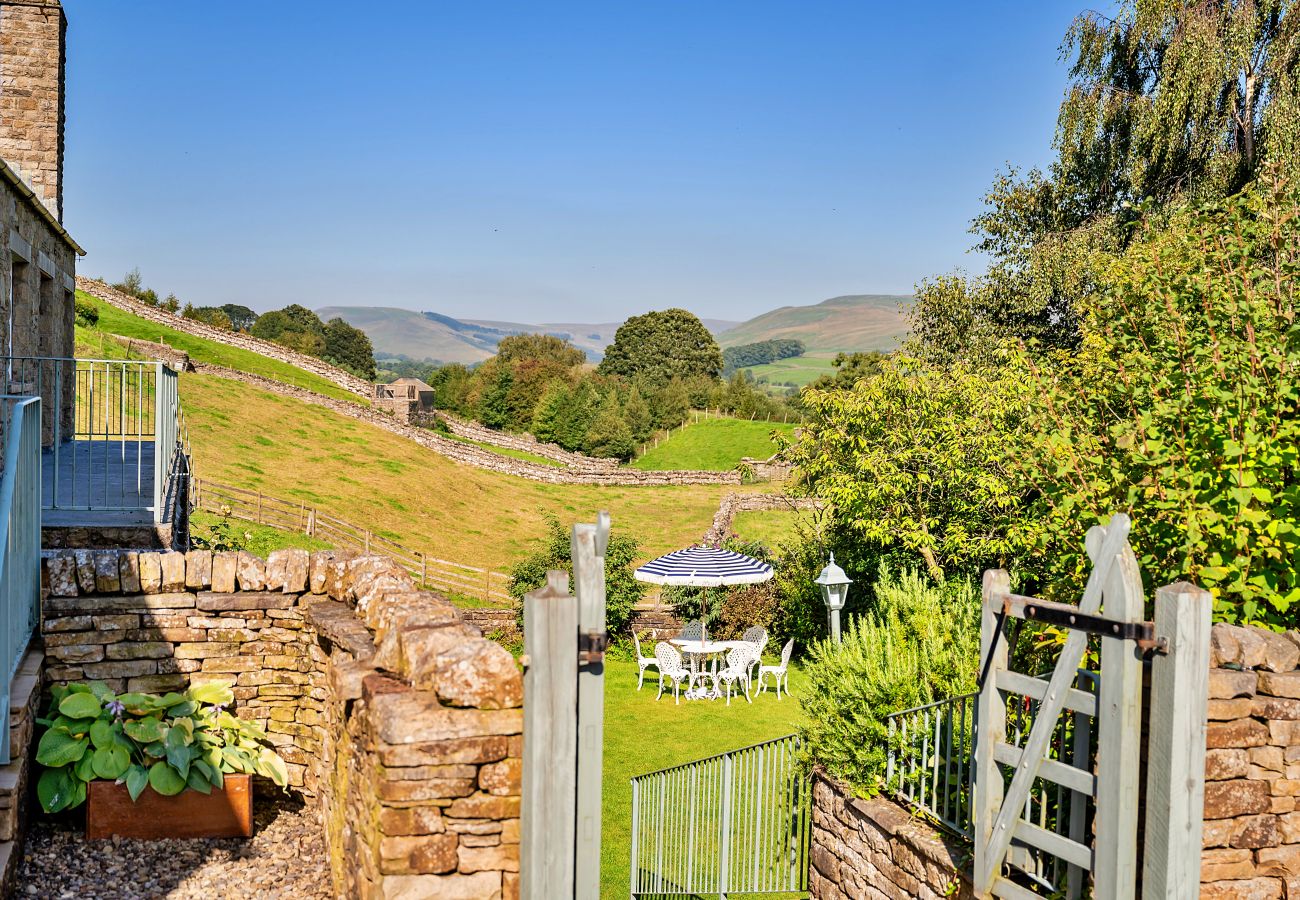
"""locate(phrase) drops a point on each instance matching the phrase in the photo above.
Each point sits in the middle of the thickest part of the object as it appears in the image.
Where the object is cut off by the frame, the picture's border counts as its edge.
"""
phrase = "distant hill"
(431, 335)
(850, 323)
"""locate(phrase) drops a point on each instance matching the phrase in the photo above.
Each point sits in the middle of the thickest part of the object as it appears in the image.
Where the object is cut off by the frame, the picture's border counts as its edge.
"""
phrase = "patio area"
(98, 482)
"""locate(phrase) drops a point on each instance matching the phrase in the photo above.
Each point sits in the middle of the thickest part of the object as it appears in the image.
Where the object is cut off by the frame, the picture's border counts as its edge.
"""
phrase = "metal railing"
(930, 769)
(111, 430)
(20, 544)
(929, 764)
(735, 823)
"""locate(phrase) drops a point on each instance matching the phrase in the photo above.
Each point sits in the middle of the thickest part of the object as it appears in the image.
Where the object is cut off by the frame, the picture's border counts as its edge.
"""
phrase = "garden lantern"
(835, 587)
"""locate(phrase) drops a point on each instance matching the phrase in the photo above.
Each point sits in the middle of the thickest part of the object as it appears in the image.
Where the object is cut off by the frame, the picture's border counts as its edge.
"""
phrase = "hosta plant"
(168, 742)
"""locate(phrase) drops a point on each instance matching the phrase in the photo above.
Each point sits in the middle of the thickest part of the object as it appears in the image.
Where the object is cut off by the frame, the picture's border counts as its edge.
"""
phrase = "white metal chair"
(736, 672)
(642, 662)
(779, 673)
(693, 631)
(756, 635)
(670, 667)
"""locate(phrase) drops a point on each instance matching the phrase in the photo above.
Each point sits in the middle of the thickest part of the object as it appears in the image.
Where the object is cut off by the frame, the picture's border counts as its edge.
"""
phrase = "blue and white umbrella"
(704, 567)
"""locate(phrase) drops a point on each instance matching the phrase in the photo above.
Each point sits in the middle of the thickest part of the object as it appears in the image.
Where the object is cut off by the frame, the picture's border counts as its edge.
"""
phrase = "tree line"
(294, 326)
(659, 367)
(760, 353)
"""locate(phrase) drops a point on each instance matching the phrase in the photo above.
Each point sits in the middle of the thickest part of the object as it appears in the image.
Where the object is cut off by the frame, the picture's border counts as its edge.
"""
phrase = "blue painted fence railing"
(20, 543)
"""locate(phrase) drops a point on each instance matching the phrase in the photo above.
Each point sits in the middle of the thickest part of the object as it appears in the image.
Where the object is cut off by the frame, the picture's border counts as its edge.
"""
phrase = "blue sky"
(547, 161)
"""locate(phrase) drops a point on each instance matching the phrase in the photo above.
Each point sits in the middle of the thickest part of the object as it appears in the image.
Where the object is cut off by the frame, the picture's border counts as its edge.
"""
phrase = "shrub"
(622, 591)
(1183, 409)
(920, 643)
(87, 313)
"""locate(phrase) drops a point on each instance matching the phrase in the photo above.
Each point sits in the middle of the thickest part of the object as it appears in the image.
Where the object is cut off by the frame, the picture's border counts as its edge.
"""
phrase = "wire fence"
(302, 518)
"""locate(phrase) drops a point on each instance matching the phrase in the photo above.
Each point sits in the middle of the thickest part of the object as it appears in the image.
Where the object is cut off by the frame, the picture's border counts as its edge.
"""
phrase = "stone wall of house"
(342, 378)
(394, 713)
(1252, 767)
(32, 58)
(876, 850)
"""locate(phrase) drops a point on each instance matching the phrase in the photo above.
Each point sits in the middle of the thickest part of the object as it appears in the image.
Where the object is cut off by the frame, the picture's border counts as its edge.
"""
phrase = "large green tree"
(661, 345)
(350, 348)
(1168, 101)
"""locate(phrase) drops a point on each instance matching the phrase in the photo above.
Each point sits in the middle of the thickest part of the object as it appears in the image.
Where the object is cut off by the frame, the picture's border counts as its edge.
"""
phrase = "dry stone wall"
(876, 850)
(343, 379)
(400, 719)
(1251, 835)
(733, 503)
(527, 444)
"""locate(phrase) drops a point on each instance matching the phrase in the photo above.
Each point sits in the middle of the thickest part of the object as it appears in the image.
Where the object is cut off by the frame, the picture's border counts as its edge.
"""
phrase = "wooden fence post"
(1119, 716)
(1176, 745)
(588, 544)
(546, 870)
(990, 718)
(259, 507)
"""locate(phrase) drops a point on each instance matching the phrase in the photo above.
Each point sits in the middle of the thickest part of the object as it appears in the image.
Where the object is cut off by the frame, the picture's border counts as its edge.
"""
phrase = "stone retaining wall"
(526, 443)
(395, 714)
(177, 359)
(15, 776)
(1252, 767)
(876, 849)
(110, 295)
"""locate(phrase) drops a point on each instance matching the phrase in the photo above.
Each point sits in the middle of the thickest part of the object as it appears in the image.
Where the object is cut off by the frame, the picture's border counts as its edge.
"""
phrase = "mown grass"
(713, 445)
(256, 539)
(116, 321)
(642, 735)
(770, 527)
(257, 440)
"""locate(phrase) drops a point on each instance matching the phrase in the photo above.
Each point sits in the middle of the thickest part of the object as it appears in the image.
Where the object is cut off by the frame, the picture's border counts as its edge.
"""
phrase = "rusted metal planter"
(226, 812)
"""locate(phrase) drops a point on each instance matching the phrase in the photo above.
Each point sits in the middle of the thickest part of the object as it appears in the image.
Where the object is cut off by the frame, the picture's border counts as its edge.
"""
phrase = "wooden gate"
(1058, 758)
(564, 711)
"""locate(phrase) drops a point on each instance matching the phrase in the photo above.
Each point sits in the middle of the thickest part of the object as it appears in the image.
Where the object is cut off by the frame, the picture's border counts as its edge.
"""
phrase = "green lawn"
(713, 445)
(642, 735)
(116, 321)
(258, 540)
(798, 370)
(770, 527)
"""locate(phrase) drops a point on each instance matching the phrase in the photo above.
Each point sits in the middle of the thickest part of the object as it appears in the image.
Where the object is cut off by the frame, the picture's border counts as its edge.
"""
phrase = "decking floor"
(103, 483)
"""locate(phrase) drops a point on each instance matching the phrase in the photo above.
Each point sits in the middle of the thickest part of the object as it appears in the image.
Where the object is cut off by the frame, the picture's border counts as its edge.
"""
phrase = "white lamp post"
(835, 587)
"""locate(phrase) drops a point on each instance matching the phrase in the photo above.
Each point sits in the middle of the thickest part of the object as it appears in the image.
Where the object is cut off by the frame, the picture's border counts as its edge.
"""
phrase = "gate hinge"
(1143, 634)
(591, 646)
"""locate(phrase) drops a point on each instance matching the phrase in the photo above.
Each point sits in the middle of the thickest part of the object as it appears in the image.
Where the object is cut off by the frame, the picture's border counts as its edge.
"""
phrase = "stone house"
(405, 398)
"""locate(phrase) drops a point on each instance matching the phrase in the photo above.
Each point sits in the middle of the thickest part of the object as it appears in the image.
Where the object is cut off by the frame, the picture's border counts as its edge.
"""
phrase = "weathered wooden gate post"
(990, 717)
(564, 708)
(1176, 744)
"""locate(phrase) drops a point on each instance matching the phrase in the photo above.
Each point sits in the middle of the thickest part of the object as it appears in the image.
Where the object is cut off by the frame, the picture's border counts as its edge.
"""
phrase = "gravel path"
(286, 860)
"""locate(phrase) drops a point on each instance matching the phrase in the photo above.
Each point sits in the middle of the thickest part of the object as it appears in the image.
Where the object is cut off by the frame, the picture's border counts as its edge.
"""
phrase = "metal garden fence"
(735, 823)
(929, 764)
(20, 544)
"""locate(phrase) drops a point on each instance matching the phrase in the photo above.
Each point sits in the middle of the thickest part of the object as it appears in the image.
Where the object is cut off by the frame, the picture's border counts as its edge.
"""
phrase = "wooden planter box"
(226, 812)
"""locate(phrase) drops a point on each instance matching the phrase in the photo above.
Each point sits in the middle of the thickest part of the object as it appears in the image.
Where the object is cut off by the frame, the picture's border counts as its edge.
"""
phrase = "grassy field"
(798, 370)
(642, 735)
(770, 527)
(713, 444)
(258, 440)
(116, 321)
(259, 540)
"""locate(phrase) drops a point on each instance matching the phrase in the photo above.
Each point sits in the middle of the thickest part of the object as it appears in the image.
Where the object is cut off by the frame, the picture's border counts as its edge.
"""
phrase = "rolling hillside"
(849, 323)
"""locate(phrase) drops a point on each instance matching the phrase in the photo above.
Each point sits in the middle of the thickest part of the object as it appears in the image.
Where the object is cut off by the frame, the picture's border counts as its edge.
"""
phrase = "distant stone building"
(37, 273)
(404, 398)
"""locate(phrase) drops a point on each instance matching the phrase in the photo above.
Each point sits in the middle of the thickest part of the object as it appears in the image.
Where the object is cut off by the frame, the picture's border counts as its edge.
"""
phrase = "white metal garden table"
(699, 653)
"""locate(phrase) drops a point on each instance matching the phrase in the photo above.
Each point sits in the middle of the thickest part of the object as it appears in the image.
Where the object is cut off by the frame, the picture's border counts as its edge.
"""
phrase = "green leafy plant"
(222, 535)
(167, 742)
(919, 643)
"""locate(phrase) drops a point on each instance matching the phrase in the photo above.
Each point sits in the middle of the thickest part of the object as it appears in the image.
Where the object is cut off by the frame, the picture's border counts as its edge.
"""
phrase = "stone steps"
(24, 695)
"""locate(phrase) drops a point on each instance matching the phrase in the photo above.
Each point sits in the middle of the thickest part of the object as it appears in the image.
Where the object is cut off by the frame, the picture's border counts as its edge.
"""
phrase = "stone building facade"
(37, 256)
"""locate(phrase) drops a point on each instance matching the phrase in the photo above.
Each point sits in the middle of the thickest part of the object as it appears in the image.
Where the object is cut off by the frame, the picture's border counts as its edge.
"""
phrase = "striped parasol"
(704, 567)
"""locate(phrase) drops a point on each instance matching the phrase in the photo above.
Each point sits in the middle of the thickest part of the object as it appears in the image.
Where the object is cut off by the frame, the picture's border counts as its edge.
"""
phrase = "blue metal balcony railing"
(20, 543)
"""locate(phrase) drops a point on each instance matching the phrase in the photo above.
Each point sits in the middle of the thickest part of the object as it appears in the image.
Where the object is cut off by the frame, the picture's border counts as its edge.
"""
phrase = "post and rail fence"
(737, 823)
(20, 544)
(303, 518)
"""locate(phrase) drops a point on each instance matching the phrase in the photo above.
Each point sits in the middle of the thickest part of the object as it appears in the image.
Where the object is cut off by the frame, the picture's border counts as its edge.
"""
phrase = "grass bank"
(797, 371)
(117, 321)
(254, 439)
(715, 445)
